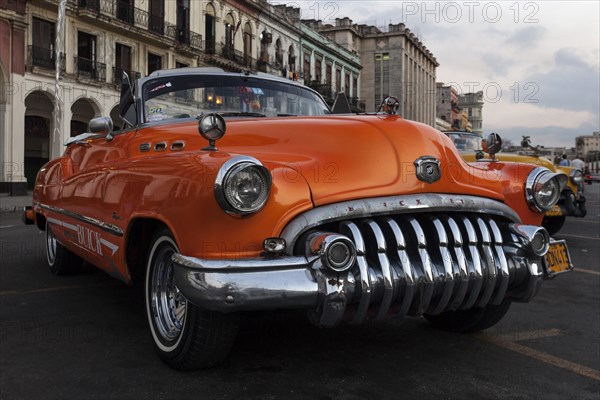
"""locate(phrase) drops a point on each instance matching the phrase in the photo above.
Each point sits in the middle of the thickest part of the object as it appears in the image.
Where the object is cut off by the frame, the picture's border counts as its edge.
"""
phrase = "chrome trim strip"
(475, 271)
(490, 272)
(503, 273)
(462, 275)
(110, 228)
(386, 270)
(407, 268)
(385, 206)
(425, 290)
(353, 233)
(447, 262)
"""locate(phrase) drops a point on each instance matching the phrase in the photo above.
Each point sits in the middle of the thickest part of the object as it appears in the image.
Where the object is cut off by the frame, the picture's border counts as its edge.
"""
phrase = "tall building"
(446, 106)
(472, 103)
(103, 39)
(395, 63)
(588, 144)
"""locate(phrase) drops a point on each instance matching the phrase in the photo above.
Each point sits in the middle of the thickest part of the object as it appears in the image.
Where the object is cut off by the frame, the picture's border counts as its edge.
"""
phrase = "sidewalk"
(14, 203)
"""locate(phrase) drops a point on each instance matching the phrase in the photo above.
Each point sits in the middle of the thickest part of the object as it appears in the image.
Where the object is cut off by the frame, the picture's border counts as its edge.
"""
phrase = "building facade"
(472, 103)
(103, 39)
(330, 68)
(589, 144)
(446, 106)
(395, 63)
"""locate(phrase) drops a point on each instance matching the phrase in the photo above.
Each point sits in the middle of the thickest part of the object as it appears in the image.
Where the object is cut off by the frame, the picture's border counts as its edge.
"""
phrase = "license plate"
(557, 260)
(554, 211)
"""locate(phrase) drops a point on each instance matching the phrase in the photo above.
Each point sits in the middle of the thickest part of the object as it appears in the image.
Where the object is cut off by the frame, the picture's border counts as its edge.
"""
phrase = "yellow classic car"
(572, 201)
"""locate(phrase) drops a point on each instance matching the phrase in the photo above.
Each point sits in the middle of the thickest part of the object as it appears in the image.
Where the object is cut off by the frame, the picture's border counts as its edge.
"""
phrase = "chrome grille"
(426, 263)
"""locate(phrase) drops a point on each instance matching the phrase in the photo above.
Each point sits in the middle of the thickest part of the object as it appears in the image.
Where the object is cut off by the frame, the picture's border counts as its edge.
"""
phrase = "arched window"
(278, 52)
(229, 33)
(291, 59)
(247, 44)
(209, 29)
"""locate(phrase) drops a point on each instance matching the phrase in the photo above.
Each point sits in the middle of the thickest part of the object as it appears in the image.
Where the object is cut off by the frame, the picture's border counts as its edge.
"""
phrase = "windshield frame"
(469, 135)
(219, 75)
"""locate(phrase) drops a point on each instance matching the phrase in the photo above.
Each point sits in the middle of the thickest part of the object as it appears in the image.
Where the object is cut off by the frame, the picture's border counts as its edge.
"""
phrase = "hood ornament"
(428, 169)
(390, 105)
(212, 128)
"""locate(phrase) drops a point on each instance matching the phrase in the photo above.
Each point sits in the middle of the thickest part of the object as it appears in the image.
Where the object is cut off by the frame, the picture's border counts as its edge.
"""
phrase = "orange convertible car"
(225, 193)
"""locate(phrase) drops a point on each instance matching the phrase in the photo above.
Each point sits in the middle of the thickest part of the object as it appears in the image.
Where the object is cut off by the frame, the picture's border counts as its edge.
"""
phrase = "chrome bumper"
(388, 278)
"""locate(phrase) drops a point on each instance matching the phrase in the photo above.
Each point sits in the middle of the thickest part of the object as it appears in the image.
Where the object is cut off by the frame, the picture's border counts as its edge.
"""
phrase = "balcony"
(44, 58)
(324, 90)
(228, 57)
(264, 65)
(90, 69)
(154, 23)
(17, 6)
(118, 75)
(189, 38)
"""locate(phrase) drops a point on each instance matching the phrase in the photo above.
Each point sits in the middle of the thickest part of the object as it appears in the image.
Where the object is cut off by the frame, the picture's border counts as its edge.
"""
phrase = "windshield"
(241, 96)
(465, 141)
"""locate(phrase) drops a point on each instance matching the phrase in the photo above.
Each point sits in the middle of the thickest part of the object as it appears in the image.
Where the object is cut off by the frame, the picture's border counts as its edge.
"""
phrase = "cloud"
(508, 114)
(571, 84)
(527, 37)
(546, 126)
(497, 64)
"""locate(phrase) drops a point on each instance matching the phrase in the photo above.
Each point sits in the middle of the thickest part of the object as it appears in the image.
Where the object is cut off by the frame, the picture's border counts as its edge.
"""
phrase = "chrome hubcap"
(50, 245)
(168, 304)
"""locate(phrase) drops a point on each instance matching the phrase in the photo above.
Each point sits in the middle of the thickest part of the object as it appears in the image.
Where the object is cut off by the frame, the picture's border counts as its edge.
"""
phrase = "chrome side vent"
(178, 145)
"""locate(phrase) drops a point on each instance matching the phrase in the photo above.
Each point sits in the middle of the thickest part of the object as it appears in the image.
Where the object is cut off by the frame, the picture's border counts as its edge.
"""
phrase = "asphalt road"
(85, 336)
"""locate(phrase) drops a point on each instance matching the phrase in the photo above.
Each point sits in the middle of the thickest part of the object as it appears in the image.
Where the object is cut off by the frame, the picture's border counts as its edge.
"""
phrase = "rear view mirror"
(103, 126)
(492, 144)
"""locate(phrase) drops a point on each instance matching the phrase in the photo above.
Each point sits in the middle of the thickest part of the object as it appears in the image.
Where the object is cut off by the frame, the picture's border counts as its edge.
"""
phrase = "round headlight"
(576, 176)
(543, 188)
(243, 185)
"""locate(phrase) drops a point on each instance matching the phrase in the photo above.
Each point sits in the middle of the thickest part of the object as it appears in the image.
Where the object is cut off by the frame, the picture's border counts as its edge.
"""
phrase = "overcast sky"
(536, 61)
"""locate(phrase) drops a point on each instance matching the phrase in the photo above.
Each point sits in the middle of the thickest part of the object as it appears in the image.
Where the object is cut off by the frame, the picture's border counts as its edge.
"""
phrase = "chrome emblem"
(428, 169)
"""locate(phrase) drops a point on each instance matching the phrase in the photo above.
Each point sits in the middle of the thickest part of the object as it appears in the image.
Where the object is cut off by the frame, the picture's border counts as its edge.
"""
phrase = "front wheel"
(472, 320)
(185, 336)
(60, 260)
(553, 224)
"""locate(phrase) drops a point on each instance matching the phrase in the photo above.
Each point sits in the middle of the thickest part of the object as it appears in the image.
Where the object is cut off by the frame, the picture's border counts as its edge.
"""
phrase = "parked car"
(232, 192)
(572, 201)
(590, 177)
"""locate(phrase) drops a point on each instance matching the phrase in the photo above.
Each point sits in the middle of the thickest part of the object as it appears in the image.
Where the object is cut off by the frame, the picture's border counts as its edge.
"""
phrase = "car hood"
(348, 157)
(537, 160)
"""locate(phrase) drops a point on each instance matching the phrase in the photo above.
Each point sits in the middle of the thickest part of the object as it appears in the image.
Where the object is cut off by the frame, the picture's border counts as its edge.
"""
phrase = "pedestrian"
(578, 163)
(564, 162)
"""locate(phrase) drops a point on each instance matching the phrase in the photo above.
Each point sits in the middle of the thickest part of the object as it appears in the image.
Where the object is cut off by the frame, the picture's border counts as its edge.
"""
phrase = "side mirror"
(103, 126)
(492, 145)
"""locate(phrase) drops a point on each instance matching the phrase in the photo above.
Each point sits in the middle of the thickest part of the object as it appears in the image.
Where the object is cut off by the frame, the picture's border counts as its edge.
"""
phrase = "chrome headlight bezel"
(541, 179)
(225, 193)
(576, 176)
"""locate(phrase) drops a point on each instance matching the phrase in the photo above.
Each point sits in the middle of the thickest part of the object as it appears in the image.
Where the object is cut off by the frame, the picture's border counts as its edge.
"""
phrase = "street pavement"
(85, 336)
(14, 203)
